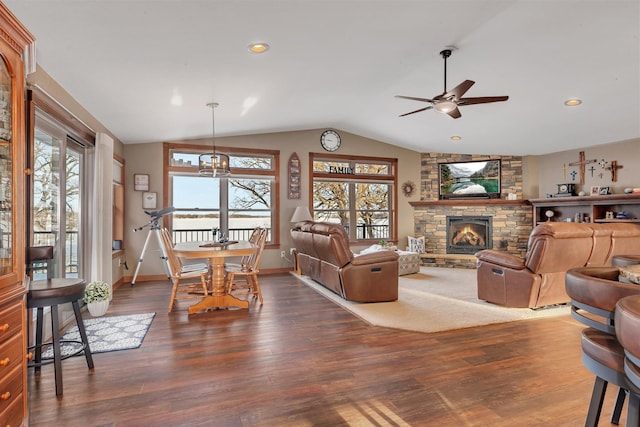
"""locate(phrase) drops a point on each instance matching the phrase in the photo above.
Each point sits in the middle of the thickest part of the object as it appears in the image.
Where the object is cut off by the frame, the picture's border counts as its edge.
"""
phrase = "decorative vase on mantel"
(96, 296)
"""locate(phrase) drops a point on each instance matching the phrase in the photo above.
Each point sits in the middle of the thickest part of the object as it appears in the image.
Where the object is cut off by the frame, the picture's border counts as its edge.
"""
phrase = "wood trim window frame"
(391, 178)
(168, 147)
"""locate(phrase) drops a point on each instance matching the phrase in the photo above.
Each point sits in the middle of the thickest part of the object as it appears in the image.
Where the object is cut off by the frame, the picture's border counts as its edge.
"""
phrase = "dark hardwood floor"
(300, 360)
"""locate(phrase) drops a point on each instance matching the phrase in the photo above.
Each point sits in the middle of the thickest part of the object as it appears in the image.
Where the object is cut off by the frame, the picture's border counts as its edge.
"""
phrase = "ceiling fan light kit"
(449, 101)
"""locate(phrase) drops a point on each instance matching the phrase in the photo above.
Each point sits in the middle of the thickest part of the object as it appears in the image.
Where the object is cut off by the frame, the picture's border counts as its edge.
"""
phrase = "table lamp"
(301, 214)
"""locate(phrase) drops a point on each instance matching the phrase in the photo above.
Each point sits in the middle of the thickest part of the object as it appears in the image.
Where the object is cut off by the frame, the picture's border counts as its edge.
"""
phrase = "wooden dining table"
(216, 253)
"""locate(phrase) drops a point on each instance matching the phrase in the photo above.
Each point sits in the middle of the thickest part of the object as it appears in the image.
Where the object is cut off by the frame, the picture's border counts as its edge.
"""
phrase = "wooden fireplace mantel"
(469, 202)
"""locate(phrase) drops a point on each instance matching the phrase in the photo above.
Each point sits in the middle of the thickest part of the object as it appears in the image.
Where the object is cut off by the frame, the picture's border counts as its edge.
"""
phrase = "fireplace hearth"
(468, 234)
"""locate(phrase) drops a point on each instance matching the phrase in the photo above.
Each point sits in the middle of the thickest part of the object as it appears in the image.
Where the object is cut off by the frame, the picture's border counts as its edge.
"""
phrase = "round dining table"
(216, 253)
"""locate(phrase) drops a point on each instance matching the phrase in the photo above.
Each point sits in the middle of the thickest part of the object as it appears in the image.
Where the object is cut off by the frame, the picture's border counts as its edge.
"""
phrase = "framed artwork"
(604, 191)
(140, 182)
(294, 177)
(595, 190)
(149, 200)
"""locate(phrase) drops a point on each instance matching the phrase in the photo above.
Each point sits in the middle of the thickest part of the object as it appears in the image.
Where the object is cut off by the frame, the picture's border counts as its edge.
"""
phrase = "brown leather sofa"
(324, 255)
(553, 248)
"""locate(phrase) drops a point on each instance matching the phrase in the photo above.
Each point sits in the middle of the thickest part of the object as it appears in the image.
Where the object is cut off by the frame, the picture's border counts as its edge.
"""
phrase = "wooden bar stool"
(627, 320)
(51, 293)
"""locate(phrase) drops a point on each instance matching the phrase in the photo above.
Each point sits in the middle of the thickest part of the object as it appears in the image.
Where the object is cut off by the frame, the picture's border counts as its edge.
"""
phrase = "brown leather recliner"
(553, 248)
(324, 255)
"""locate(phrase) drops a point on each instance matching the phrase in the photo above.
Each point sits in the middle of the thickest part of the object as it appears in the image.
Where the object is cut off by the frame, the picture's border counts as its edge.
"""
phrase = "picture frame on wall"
(149, 200)
(141, 182)
(595, 190)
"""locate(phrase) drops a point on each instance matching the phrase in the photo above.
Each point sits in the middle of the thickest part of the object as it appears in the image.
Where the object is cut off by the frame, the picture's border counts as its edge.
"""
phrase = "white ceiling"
(338, 64)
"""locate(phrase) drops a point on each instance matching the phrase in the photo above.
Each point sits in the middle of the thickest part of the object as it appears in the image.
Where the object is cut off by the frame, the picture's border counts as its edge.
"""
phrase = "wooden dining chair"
(253, 239)
(167, 240)
(180, 289)
(249, 271)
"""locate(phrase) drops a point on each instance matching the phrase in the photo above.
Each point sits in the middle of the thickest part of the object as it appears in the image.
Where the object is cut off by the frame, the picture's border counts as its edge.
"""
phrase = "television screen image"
(470, 179)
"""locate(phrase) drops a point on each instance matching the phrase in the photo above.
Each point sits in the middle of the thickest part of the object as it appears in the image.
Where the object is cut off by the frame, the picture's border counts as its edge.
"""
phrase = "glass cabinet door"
(6, 171)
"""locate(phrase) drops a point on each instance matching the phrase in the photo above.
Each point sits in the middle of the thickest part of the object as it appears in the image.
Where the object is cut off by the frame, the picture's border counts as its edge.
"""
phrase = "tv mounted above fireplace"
(469, 179)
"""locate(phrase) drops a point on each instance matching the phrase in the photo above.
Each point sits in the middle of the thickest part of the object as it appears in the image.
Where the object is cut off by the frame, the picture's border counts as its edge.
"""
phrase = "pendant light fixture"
(214, 164)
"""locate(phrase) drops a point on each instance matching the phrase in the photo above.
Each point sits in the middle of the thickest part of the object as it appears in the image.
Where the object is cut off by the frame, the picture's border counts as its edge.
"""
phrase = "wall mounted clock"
(330, 140)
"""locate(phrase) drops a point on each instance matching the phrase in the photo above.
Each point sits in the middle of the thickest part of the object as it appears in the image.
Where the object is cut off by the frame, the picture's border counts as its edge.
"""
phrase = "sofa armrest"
(502, 259)
(374, 257)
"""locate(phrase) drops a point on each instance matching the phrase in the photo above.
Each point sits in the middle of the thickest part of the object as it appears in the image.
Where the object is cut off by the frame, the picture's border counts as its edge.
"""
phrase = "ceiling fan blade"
(481, 100)
(455, 113)
(416, 111)
(413, 98)
(459, 90)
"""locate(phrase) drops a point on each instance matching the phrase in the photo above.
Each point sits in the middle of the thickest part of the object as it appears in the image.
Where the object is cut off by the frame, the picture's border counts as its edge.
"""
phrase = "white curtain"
(102, 211)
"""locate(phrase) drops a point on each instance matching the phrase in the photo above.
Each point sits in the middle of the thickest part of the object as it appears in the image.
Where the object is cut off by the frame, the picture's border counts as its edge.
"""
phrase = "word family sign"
(341, 169)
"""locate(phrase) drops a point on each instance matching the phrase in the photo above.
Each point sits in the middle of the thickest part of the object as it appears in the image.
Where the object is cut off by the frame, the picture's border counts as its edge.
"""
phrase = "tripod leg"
(144, 249)
(163, 252)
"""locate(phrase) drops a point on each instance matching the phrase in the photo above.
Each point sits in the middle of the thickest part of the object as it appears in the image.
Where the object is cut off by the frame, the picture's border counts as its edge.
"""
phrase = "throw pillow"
(416, 244)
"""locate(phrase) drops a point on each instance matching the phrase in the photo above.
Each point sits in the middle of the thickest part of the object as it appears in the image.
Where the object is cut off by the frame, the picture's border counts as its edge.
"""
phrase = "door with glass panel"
(57, 197)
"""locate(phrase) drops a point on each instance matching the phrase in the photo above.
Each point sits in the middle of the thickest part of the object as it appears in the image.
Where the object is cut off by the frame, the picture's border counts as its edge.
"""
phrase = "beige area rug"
(436, 299)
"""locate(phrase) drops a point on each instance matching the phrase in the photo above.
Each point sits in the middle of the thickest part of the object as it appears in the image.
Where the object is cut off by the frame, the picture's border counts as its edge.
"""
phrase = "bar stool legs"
(56, 342)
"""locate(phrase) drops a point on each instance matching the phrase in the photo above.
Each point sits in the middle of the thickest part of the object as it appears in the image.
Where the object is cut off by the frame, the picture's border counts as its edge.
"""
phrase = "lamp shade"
(301, 214)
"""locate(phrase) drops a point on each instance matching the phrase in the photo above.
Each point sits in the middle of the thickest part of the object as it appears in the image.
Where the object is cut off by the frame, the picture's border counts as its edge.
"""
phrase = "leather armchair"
(538, 279)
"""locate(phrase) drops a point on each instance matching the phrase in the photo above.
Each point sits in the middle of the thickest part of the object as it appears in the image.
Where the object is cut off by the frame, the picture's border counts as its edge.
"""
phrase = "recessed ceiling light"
(572, 102)
(258, 47)
(456, 138)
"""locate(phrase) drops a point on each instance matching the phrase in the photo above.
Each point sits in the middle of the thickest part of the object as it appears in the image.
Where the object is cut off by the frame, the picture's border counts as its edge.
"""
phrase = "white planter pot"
(98, 308)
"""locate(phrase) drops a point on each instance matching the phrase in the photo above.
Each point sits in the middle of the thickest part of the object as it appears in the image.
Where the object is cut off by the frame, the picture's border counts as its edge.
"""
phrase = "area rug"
(436, 299)
(111, 333)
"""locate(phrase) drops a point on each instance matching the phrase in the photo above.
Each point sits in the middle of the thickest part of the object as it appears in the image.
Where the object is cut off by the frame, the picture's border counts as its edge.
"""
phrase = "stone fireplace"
(469, 234)
(511, 224)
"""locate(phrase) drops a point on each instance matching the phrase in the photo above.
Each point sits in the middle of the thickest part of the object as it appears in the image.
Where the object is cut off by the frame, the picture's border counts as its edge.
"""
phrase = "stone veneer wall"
(510, 172)
(512, 224)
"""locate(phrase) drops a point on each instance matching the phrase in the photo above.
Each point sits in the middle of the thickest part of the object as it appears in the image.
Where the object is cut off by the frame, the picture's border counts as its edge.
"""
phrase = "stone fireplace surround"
(511, 219)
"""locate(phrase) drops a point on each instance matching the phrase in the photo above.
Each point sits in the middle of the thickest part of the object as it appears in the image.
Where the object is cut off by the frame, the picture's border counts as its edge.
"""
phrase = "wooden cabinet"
(15, 44)
(595, 208)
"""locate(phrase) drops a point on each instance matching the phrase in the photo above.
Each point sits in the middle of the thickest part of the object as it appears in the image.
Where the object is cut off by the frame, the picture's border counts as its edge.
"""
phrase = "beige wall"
(550, 168)
(147, 158)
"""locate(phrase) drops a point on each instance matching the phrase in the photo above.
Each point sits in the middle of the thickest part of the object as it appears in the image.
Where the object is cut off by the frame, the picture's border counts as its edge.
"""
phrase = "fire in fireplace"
(468, 234)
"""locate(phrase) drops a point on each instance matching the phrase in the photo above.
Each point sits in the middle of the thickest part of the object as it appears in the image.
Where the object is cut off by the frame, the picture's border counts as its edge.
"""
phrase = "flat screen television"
(470, 179)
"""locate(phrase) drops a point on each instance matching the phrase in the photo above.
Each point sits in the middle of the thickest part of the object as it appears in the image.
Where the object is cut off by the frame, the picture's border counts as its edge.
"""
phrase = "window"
(58, 197)
(118, 203)
(357, 192)
(235, 204)
(60, 154)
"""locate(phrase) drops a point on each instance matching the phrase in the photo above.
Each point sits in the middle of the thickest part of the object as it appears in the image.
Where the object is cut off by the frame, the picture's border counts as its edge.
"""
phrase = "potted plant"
(96, 296)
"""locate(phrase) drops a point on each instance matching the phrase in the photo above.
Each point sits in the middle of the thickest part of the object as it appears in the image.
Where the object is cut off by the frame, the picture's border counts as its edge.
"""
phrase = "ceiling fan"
(449, 101)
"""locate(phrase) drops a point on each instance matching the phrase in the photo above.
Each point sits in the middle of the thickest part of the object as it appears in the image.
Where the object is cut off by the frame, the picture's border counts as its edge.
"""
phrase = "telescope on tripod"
(154, 228)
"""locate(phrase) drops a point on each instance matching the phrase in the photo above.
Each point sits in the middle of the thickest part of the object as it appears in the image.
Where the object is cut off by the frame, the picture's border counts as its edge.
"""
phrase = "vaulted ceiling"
(339, 64)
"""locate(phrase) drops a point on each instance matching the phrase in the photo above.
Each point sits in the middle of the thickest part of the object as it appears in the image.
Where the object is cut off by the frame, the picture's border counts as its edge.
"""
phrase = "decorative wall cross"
(591, 169)
(573, 175)
(582, 162)
(613, 167)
